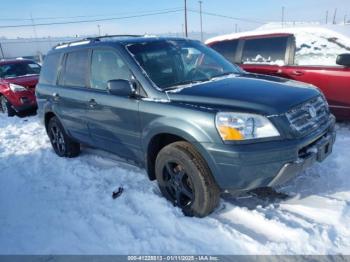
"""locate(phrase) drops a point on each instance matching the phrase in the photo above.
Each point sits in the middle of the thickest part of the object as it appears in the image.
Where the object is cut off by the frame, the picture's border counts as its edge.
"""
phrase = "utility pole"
(35, 34)
(200, 13)
(186, 32)
(236, 28)
(345, 19)
(2, 51)
(327, 17)
(335, 16)
(99, 30)
(33, 25)
(282, 16)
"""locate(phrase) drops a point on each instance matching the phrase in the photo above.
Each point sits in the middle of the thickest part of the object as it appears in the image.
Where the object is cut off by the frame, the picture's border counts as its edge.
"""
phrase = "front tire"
(62, 144)
(184, 179)
(6, 107)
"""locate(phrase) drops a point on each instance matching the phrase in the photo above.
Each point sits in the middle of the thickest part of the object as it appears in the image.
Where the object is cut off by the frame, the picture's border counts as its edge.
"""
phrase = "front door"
(113, 121)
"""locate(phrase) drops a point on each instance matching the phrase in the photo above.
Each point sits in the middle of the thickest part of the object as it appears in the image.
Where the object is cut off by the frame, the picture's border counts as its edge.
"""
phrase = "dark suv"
(197, 123)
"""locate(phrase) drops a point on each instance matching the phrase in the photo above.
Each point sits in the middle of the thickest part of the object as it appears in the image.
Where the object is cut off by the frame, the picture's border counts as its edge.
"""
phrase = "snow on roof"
(320, 31)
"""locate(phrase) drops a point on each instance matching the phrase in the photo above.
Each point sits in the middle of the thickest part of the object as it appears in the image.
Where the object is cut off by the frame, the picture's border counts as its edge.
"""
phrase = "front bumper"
(268, 164)
(22, 101)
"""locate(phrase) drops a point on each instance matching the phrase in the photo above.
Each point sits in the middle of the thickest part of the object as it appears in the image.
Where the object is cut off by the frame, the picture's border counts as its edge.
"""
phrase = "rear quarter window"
(319, 49)
(265, 51)
(50, 69)
(226, 48)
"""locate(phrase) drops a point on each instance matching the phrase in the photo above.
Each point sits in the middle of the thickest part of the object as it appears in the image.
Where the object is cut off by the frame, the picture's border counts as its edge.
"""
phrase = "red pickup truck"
(18, 79)
(316, 56)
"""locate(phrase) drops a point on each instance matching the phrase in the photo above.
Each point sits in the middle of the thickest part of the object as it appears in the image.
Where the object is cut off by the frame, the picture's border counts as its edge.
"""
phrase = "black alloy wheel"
(178, 184)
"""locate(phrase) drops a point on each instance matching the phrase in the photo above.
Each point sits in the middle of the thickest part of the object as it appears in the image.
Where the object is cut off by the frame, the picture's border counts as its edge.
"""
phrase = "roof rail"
(73, 43)
(89, 40)
(97, 38)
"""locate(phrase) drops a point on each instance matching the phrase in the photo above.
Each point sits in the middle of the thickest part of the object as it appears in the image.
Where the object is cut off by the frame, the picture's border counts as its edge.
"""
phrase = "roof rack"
(89, 40)
(97, 38)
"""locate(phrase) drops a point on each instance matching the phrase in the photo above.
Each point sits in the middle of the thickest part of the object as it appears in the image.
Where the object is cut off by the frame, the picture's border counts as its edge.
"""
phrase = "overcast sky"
(256, 12)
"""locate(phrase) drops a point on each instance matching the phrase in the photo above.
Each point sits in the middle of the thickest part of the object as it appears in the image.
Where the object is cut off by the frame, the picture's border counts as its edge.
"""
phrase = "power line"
(82, 16)
(92, 20)
(228, 17)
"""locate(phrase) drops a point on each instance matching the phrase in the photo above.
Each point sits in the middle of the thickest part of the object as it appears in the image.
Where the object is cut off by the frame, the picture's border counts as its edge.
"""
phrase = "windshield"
(179, 62)
(19, 69)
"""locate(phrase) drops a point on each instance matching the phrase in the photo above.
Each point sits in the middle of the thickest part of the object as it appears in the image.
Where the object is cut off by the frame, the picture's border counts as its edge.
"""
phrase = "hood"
(27, 81)
(247, 92)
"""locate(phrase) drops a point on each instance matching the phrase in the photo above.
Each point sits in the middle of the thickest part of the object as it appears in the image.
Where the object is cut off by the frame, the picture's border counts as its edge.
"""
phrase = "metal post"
(186, 32)
(282, 16)
(327, 17)
(200, 12)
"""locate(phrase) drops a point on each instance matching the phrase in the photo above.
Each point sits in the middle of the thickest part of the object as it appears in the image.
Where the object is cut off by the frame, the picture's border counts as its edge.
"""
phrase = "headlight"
(242, 126)
(17, 88)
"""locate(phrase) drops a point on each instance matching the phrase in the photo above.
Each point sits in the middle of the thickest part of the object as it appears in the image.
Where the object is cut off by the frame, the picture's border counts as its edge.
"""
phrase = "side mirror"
(120, 87)
(344, 60)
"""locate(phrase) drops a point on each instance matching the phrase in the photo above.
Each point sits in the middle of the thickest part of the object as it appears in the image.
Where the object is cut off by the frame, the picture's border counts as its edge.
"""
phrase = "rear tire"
(6, 107)
(63, 145)
(185, 180)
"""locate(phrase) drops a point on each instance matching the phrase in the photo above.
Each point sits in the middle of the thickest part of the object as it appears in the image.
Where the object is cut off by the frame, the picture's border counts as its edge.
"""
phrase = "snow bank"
(64, 206)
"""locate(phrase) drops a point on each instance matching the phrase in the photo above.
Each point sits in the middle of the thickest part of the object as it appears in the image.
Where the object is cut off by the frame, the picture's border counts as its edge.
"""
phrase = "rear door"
(71, 95)
(113, 121)
(265, 54)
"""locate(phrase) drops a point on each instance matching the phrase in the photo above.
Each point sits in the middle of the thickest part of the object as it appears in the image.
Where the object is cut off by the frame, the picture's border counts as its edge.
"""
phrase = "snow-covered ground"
(64, 206)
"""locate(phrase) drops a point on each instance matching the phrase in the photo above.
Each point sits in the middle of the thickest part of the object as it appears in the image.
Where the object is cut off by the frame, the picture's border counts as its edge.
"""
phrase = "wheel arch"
(166, 135)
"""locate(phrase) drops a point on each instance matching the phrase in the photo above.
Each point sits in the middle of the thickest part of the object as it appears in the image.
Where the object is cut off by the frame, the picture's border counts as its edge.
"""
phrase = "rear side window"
(226, 48)
(107, 65)
(75, 71)
(265, 51)
(50, 69)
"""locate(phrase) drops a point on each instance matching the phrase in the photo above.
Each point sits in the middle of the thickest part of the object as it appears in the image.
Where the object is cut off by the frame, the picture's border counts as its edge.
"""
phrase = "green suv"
(198, 124)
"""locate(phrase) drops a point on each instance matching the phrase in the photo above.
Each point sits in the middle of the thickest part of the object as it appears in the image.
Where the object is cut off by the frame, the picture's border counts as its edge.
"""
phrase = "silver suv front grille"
(309, 116)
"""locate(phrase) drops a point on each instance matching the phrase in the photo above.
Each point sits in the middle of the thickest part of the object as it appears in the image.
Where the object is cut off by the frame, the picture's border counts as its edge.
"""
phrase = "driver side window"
(107, 65)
